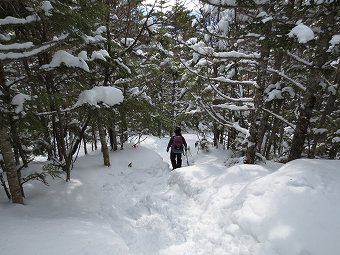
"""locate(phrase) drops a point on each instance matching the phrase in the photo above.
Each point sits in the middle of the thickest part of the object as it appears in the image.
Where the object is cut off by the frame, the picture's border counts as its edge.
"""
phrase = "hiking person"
(177, 142)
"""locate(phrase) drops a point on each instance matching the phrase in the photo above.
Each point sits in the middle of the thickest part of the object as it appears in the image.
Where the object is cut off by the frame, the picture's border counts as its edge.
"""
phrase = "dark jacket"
(171, 142)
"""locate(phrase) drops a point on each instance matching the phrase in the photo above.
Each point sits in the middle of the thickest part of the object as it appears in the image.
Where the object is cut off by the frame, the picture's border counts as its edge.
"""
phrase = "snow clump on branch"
(109, 96)
(302, 32)
(63, 57)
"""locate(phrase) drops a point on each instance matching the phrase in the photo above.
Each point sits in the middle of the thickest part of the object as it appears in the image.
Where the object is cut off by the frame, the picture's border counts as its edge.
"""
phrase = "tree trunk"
(254, 138)
(216, 135)
(314, 79)
(94, 138)
(113, 138)
(10, 167)
(84, 143)
(278, 55)
(326, 112)
(105, 149)
(7, 153)
(17, 144)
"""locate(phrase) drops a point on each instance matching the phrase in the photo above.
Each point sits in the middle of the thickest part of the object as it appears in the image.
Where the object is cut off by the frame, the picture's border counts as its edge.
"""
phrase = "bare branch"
(296, 83)
(280, 118)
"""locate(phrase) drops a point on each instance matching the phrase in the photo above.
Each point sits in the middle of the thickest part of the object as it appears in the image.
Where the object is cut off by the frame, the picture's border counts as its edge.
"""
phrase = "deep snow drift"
(204, 208)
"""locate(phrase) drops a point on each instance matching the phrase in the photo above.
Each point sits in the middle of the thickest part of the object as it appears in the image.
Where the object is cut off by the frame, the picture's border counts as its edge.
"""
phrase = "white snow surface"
(108, 95)
(204, 208)
(302, 32)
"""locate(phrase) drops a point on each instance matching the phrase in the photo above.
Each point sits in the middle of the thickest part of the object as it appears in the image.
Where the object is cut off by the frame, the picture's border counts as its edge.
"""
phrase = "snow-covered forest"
(101, 84)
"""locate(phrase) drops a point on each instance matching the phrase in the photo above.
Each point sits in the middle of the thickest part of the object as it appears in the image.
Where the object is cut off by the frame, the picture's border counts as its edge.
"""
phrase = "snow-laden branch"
(233, 107)
(9, 20)
(19, 55)
(242, 99)
(25, 54)
(107, 95)
(63, 57)
(213, 115)
(145, 25)
(16, 46)
(234, 3)
(237, 127)
(122, 65)
(296, 83)
(280, 118)
(219, 79)
(209, 52)
(219, 119)
(235, 54)
(297, 58)
(227, 80)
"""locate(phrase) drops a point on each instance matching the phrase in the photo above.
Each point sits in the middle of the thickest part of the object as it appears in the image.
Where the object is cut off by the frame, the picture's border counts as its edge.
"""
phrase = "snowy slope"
(294, 210)
(204, 208)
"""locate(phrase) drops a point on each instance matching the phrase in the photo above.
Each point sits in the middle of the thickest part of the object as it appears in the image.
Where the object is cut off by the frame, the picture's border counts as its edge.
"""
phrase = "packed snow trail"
(185, 211)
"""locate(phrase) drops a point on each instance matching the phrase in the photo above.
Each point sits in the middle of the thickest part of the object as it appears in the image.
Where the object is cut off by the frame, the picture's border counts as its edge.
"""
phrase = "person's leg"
(173, 160)
(179, 159)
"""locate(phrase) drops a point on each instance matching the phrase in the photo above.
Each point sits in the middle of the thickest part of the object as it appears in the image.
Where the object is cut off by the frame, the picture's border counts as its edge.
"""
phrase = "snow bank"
(293, 211)
(69, 236)
(91, 214)
(107, 95)
(194, 179)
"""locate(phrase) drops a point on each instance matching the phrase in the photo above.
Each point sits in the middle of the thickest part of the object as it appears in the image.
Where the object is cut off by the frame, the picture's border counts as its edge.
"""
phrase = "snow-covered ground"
(204, 208)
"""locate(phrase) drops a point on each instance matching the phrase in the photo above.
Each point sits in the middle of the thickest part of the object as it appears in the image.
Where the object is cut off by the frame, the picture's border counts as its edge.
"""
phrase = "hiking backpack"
(177, 143)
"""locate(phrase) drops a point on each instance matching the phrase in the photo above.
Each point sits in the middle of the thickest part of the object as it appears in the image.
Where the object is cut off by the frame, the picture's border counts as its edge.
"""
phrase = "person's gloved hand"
(167, 150)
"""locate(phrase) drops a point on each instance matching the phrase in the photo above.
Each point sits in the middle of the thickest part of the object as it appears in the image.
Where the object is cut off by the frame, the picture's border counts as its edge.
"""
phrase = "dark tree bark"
(314, 79)
(105, 149)
(254, 138)
(329, 108)
(263, 127)
(7, 153)
(10, 166)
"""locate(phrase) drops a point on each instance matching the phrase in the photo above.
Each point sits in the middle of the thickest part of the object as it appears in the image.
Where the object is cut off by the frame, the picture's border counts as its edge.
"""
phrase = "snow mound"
(196, 179)
(293, 210)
